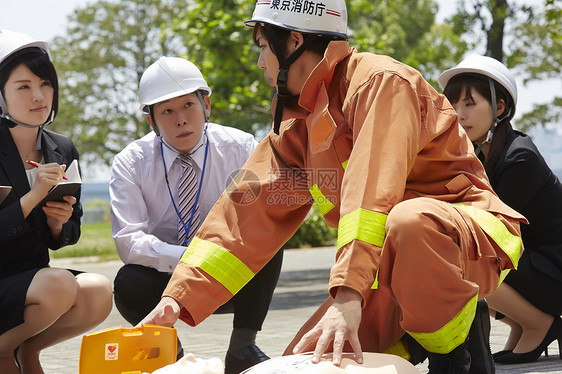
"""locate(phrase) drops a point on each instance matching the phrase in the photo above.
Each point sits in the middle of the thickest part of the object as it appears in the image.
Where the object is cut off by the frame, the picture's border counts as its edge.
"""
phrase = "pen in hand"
(36, 165)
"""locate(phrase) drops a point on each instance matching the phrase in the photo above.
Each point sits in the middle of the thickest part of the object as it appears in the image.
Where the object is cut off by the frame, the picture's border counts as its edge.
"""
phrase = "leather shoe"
(250, 355)
(553, 333)
(501, 353)
(16, 358)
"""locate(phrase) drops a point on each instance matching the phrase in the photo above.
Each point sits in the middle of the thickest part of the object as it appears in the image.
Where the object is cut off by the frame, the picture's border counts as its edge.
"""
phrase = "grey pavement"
(301, 288)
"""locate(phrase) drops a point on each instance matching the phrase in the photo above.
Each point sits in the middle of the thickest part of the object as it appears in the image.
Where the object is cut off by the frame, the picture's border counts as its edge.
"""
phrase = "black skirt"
(13, 290)
(535, 285)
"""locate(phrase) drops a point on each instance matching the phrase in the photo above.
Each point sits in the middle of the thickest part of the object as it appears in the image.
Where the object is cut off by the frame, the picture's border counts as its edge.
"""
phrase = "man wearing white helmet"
(421, 235)
(152, 227)
(484, 94)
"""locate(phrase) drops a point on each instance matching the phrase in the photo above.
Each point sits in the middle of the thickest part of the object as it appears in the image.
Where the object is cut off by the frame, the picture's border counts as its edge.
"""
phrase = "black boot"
(455, 362)
(479, 342)
(418, 354)
(249, 356)
(179, 351)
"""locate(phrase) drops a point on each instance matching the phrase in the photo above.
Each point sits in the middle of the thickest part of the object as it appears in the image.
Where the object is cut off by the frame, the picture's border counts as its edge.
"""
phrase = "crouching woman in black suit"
(484, 94)
(39, 305)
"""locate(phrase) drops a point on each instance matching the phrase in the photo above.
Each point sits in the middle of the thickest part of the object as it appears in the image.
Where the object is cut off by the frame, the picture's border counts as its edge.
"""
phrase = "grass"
(95, 240)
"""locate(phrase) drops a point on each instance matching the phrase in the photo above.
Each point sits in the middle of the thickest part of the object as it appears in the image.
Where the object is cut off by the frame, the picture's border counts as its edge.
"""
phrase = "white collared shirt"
(144, 221)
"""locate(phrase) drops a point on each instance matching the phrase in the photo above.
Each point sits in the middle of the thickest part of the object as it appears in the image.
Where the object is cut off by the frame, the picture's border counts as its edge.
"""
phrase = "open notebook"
(66, 187)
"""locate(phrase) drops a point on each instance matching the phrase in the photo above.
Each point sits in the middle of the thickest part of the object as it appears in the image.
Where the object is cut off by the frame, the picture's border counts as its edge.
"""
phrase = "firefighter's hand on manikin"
(339, 324)
(166, 313)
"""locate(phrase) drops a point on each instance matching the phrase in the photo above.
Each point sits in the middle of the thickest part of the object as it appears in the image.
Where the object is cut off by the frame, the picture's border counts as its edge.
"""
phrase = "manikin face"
(475, 115)
(267, 60)
(181, 120)
(28, 98)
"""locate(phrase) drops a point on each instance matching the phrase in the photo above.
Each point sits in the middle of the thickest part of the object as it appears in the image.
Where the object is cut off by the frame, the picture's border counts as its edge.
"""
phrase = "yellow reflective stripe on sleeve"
(399, 349)
(451, 335)
(219, 263)
(344, 164)
(365, 225)
(324, 205)
(509, 243)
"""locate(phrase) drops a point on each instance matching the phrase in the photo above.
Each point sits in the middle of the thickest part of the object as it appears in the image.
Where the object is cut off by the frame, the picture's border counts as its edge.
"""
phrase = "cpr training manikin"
(374, 363)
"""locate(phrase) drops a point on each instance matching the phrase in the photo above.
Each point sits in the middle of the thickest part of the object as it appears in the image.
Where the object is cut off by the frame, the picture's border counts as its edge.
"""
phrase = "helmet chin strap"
(163, 141)
(7, 116)
(495, 119)
(282, 77)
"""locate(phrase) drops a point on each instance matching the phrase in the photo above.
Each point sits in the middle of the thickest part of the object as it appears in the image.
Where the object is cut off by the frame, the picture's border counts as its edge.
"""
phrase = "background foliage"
(220, 44)
(109, 44)
(313, 232)
(100, 61)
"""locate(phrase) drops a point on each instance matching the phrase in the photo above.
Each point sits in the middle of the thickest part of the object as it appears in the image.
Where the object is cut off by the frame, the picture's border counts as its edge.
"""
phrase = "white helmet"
(327, 17)
(167, 78)
(487, 66)
(13, 41)
(10, 43)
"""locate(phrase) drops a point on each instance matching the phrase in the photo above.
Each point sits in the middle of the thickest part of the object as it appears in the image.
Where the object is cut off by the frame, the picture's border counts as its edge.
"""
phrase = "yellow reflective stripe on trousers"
(324, 205)
(509, 243)
(218, 263)
(451, 335)
(365, 225)
(503, 274)
(375, 285)
(344, 164)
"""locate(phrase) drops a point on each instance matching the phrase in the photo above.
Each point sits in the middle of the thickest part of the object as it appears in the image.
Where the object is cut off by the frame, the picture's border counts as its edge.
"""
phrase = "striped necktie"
(187, 192)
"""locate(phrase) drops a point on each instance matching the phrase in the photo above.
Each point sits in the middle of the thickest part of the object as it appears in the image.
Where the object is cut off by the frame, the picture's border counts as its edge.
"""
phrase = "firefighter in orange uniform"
(421, 235)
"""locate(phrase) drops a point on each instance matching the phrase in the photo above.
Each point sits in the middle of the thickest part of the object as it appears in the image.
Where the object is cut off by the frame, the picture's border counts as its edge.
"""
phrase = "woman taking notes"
(39, 306)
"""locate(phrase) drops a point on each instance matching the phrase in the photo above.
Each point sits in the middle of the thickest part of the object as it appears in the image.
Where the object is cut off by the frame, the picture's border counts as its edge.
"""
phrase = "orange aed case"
(135, 350)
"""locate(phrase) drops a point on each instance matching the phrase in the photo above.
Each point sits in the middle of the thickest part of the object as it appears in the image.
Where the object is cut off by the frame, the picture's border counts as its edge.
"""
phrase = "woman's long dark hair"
(480, 84)
(39, 63)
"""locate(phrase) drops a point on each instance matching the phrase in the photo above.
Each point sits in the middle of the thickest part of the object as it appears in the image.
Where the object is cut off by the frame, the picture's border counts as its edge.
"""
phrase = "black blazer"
(24, 243)
(523, 180)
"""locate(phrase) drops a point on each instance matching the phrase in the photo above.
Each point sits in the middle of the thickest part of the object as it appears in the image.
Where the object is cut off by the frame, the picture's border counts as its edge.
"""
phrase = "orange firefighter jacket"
(366, 133)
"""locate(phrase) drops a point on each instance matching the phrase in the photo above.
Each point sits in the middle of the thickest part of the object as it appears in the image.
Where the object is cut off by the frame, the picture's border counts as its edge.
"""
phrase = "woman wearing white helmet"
(381, 153)
(40, 306)
(484, 94)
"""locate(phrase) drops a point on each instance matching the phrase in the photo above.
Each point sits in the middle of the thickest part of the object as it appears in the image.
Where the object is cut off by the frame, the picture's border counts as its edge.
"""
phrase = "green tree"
(100, 61)
(537, 50)
(405, 30)
(220, 44)
(218, 41)
(109, 44)
(483, 23)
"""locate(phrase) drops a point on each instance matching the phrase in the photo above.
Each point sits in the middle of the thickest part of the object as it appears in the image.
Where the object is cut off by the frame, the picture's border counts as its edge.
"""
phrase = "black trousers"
(138, 289)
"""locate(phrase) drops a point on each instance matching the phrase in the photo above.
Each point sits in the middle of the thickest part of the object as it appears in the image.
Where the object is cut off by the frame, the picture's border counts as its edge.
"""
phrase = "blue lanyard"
(188, 226)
